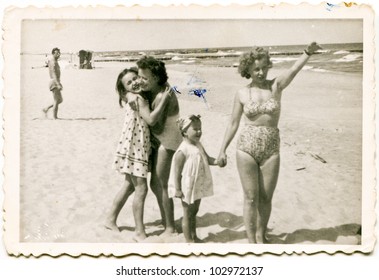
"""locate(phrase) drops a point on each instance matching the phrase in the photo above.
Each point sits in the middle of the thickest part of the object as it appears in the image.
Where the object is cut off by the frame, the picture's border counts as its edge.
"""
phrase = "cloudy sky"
(40, 36)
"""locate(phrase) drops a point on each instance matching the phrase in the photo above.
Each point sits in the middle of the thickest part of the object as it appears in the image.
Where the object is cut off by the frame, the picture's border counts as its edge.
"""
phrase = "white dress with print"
(133, 149)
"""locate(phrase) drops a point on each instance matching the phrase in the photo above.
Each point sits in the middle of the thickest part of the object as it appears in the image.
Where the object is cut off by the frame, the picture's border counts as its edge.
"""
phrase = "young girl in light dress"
(133, 150)
(190, 177)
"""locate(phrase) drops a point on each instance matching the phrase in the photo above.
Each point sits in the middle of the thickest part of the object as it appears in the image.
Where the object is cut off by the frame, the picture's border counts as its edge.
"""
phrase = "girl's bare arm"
(179, 160)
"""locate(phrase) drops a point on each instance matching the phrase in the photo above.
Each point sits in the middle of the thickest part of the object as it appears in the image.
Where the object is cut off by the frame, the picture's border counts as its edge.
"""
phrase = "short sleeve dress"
(196, 174)
(133, 149)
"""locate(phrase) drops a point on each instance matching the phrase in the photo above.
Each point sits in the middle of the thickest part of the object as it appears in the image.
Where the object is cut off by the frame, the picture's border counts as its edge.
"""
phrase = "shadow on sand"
(330, 234)
(234, 230)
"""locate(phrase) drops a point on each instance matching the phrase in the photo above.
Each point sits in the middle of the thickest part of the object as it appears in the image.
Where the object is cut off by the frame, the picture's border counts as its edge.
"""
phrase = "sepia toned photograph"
(241, 132)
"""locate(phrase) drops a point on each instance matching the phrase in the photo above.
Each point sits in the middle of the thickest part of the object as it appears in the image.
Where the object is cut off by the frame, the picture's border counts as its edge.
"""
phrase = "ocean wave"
(282, 59)
(171, 54)
(341, 52)
(320, 70)
(348, 58)
(306, 67)
(219, 52)
(176, 58)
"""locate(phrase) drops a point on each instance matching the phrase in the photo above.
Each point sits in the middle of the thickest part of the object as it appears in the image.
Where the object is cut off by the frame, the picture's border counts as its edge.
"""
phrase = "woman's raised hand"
(312, 48)
(167, 92)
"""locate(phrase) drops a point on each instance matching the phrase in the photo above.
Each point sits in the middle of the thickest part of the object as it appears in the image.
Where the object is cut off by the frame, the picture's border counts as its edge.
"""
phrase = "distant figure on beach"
(133, 150)
(166, 136)
(190, 176)
(258, 144)
(55, 85)
(46, 61)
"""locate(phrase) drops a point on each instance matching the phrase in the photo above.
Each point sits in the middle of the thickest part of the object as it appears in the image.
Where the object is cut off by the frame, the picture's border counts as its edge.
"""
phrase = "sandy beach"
(67, 184)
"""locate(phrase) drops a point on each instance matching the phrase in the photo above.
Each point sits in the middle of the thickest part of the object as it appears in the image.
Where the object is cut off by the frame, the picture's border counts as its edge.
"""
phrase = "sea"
(331, 58)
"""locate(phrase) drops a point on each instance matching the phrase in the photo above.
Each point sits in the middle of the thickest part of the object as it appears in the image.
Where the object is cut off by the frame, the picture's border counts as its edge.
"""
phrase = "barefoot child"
(133, 151)
(190, 176)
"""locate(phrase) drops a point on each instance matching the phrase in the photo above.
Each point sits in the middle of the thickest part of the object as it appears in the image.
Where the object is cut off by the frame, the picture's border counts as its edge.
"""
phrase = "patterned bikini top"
(269, 107)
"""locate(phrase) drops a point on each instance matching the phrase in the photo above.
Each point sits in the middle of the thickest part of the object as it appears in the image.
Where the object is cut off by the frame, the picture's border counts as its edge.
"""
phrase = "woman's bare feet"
(168, 232)
(138, 237)
(111, 226)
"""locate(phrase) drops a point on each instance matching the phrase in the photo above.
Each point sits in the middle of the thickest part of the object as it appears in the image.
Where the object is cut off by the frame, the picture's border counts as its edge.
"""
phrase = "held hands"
(221, 160)
(312, 48)
(179, 194)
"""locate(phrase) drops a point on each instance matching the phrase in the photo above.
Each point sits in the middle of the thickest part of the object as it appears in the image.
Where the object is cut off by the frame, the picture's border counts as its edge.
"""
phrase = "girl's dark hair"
(156, 67)
(120, 87)
(247, 59)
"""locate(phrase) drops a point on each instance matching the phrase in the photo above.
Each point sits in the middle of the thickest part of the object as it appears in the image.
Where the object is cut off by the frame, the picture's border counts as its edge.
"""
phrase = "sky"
(40, 36)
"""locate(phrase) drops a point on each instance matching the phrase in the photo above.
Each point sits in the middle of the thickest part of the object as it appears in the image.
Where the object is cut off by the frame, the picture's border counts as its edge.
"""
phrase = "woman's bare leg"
(248, 172)
(163, 165)
(268, 178)
(155, 185)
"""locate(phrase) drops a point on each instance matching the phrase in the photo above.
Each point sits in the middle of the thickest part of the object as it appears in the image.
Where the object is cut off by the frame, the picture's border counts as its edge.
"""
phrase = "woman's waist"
(271, 123)
(262, 120)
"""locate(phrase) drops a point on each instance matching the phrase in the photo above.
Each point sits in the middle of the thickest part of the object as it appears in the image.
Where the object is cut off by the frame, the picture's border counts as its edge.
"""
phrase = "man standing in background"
(55, 83)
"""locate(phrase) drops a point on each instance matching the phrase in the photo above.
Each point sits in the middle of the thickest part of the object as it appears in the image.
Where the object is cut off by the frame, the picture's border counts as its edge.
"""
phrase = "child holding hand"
(190, 177)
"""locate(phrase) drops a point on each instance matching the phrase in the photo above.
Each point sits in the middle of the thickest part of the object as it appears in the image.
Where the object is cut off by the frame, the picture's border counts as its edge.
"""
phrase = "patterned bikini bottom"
(261, 142)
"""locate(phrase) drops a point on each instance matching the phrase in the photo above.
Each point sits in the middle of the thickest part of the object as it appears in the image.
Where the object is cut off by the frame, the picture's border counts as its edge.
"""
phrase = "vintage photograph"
(211, 134)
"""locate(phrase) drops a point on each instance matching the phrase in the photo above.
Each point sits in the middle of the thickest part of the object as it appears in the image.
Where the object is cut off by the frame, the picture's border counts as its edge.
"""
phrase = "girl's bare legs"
(194, 208)
(186, 223)
(162, 169)
(139, 206)
(268, 177)
(248, 172)
(119, 201)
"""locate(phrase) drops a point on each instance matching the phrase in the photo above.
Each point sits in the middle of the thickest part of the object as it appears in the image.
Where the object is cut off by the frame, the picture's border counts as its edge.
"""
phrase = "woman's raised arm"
(286, 78)
(152, 117)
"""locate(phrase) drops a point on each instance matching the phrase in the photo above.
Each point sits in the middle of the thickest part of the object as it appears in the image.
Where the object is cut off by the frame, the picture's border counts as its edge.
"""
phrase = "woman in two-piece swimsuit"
(258, 144)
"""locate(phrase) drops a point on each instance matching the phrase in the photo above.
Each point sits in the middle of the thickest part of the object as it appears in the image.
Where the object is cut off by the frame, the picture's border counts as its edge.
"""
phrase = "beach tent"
(85, 59)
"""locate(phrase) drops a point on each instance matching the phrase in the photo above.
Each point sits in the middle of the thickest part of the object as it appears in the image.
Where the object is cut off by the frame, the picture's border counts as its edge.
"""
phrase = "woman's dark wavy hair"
(156, 67)
(247, 59)
(120, 87)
